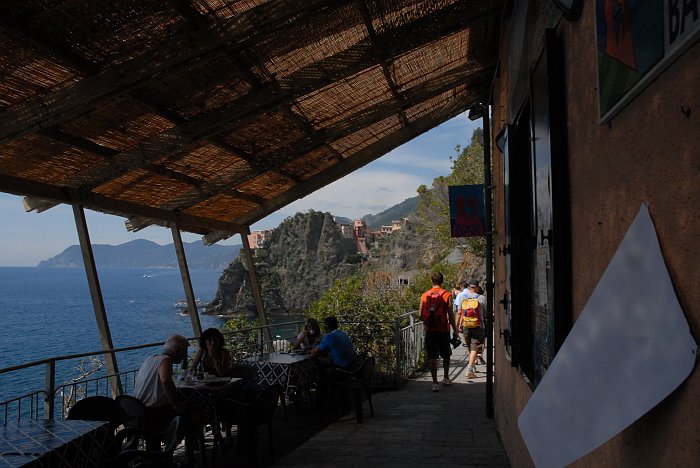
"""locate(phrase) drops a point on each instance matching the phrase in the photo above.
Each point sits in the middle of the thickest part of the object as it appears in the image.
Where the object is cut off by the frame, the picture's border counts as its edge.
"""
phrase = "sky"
(28, 238)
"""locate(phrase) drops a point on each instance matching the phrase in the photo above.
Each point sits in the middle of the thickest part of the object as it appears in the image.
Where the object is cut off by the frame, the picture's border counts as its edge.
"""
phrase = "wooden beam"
(360, 159)
(401, 103)
(136, 223)
(134, 158)
(416, 95)
(255, 286)
(196, 20)
(20, 30)
(186, 281)
(97, 301)
(376, 113)
(80, 97)
(98, 202)
(38, 204)
(78, 142)
(245, 196)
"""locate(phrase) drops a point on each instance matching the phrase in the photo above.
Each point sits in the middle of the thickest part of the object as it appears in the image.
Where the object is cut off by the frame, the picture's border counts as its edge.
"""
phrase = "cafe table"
(55, 443)
(200, 398)
(201, 395)
(293, 371)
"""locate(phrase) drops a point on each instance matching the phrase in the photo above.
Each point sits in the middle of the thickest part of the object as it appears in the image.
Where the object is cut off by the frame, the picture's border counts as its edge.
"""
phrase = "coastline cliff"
(302, 257)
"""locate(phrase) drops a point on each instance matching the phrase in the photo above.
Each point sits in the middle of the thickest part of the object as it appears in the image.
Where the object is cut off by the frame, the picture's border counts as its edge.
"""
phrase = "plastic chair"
(170, 438)
(96, 408)
(248, 416)
(356, 380)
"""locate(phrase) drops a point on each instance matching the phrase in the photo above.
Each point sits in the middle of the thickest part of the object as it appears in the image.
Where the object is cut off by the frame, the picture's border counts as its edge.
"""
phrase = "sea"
(46, 312)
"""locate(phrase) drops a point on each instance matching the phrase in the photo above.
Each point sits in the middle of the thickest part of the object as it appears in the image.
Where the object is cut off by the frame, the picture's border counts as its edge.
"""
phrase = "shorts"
(438, 344)
(474, 337)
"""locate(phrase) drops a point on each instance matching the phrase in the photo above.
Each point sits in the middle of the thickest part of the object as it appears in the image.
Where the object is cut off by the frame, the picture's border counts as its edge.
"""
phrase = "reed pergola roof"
(212, 114)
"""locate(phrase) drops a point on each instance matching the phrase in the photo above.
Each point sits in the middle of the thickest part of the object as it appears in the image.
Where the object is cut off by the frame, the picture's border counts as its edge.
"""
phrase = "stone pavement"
(412, 427)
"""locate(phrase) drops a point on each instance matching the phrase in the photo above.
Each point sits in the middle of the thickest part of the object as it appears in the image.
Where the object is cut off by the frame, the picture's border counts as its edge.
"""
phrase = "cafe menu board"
(636, 41)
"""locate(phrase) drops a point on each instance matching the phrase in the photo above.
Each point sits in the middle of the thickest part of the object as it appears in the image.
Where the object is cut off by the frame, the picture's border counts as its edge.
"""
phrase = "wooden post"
(97, 301)
(255, 285)
(186, 281)
(488, 188)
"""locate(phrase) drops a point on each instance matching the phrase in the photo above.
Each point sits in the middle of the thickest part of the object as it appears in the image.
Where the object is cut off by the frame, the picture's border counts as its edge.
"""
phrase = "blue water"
(47, 312)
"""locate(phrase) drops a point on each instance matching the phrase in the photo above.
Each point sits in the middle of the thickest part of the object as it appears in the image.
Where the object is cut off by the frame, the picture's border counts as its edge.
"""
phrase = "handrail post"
(399, 366)
(50, 386)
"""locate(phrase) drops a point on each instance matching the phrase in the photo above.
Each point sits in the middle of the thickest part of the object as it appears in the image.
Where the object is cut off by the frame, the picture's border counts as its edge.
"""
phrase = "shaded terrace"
(412, 427)
(205, 116)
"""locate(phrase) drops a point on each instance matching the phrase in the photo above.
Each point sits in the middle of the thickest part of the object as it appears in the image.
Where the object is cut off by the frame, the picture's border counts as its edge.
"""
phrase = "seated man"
(334, 351)
(335, 344)
(154, 382)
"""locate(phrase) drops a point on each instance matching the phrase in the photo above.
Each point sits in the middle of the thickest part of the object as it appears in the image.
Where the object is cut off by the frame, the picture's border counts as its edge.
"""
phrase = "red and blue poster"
(467, 214)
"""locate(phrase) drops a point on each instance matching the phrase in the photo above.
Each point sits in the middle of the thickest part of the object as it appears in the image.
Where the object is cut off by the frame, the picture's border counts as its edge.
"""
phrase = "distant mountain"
(396, 212)
(143, 253)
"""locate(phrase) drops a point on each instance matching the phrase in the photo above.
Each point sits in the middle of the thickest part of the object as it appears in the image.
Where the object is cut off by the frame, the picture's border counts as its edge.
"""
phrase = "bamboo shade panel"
(222, 207)
(365, 137)
(211, 162)
(225, 110)
(43, 159)
(335, 102)
(311, 163)
(267, 185)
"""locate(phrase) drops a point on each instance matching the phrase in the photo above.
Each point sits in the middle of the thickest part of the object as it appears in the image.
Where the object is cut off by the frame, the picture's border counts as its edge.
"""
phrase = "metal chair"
(170, 438)
(134, 414)
(97, 408)
(248, 416)
(137, 415)
(356, 379)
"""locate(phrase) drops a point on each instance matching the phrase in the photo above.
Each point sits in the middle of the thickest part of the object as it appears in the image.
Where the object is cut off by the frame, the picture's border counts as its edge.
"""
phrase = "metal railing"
(397, 346)
(29, 405)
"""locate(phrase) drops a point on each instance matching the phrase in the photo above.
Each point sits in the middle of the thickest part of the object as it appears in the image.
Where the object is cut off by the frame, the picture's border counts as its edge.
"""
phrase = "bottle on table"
(200, 369)
(182, 372)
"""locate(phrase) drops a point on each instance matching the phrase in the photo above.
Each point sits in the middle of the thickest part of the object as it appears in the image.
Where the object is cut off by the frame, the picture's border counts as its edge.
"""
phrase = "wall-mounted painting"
(636, 40)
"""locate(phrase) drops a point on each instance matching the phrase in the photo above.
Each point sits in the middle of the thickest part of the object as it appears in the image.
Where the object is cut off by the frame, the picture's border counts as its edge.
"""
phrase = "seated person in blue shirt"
(335, 345)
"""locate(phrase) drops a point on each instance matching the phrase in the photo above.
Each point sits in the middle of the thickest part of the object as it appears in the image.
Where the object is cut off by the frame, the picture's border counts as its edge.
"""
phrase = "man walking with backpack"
(436, 313)
(471, 305)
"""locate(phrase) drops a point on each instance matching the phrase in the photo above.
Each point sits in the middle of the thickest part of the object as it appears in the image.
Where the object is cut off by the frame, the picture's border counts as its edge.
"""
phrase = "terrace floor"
(412, 427)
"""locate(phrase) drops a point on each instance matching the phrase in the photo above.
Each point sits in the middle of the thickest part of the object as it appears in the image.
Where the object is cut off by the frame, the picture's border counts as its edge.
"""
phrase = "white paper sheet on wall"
(628, 350)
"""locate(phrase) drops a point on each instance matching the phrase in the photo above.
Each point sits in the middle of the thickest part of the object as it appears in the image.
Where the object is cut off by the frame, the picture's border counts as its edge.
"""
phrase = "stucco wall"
(649, 152)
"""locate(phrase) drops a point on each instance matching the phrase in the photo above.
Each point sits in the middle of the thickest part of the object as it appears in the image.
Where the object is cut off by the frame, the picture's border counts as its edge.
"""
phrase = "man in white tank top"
(154, 382)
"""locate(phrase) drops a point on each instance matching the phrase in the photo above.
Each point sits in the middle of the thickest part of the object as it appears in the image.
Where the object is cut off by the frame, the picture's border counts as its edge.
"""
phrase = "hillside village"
(359, 232)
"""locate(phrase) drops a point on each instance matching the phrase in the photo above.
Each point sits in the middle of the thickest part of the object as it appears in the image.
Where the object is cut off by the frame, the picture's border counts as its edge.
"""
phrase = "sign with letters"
(682, 19)
(636, 41)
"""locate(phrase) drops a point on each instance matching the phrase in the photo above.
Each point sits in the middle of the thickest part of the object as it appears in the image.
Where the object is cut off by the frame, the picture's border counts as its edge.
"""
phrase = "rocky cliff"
(410, 249)
(303, 256)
